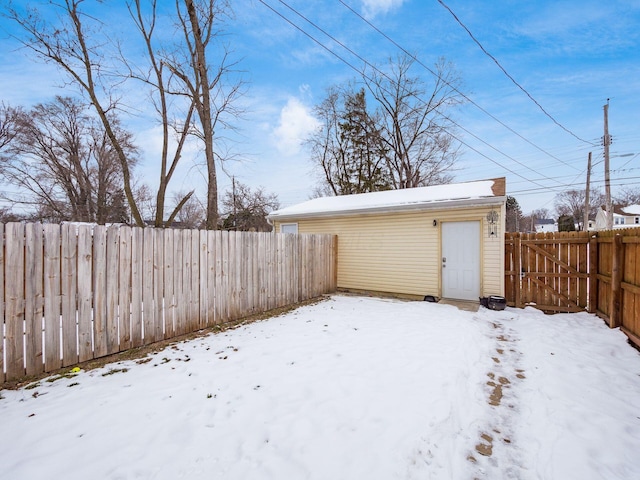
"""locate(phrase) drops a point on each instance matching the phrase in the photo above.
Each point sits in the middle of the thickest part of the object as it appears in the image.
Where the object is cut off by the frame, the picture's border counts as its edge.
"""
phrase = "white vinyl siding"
(400, 252)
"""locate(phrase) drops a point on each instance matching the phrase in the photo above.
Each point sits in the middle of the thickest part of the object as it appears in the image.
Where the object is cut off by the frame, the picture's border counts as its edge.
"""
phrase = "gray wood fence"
(70, 293)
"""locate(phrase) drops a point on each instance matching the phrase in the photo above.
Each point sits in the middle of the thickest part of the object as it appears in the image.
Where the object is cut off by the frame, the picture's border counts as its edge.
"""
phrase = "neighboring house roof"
(627, 215)
(545, 225)
(451, 195)
(633, 210)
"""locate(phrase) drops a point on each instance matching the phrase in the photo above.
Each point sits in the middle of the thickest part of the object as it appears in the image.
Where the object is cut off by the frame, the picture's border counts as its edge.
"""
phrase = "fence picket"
(33, 295)
(178, 283)
(52, 353)
(158, 284)
(100, 290)
(68, 286)
(112, 264)
(85, 293)
(169, 285)
(594, 271)
(137, 286)
(211, 278)
(219, 302)
(230, 274)
(2, 302)
(246, 264)
(124, 288)
(148, 325)
(203, 283)
(185, 285)
(70, 293)
(14, 317)
(194, 289)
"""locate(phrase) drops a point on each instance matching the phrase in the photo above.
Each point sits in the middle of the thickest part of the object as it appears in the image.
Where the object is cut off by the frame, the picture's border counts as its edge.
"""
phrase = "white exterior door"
(461, 260)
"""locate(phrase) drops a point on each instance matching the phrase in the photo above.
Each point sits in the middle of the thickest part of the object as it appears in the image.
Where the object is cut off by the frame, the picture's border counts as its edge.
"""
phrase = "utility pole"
(585, 223)
(607, 179)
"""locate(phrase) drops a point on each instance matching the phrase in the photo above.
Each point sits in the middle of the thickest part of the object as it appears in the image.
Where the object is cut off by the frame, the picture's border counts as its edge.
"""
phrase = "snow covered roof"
(631, 210)
(480, 192)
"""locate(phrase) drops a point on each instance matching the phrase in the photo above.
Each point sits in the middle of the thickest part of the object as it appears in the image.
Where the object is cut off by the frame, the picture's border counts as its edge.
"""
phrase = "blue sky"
(570, 56)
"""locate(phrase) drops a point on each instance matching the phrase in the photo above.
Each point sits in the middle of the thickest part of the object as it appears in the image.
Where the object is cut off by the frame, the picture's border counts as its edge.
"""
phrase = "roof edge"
(450, 204)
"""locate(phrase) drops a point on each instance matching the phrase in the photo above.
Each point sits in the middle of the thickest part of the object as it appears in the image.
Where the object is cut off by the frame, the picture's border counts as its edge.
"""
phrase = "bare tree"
(572, 203)
(326, 143)
(192, 214)
(6, 216)
(528, 222)
(247, 209)
(541, 213)
(181, 91)
(65, 165)
(175, 129)
(415, 127)
(628, 196)
(8, 125)
(146, 201)
(203, 87)
(76, 49)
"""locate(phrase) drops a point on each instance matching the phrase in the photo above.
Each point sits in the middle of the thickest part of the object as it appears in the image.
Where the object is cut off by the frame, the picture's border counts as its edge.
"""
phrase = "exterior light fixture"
(492, 220)
(435, 223)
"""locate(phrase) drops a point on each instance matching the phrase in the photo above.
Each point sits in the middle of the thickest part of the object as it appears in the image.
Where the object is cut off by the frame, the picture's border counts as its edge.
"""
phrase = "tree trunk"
(203, 106)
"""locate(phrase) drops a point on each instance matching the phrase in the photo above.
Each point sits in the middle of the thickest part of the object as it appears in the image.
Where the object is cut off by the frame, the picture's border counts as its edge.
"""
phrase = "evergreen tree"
(566, 223)
(514, 215)
(364, 151)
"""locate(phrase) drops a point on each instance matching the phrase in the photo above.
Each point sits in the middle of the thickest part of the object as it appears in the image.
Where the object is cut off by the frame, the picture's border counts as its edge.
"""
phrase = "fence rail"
(71, 293)
(569, 272)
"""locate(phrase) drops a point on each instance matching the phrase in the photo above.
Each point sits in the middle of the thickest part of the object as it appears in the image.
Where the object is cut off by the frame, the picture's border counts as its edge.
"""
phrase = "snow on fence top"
(436, 195)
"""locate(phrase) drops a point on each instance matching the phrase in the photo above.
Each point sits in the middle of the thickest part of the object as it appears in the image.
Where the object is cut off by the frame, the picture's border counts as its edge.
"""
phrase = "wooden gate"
(549, 270)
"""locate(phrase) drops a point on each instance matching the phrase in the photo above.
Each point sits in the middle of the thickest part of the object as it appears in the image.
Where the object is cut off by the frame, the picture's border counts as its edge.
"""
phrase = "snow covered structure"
(445, 240)
(544, 225)
(623, 217)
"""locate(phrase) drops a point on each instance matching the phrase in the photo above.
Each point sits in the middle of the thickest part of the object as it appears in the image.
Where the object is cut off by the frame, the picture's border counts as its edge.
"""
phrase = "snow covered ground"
(350, 388)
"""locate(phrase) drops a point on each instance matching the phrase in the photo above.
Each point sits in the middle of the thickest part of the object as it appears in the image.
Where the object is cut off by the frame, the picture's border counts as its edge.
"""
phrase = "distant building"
(623, 217)
(544, 225)
(441, 241)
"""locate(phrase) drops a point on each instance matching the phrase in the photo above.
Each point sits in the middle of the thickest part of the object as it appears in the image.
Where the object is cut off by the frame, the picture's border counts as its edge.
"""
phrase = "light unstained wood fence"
(70, 293)
(598, 272)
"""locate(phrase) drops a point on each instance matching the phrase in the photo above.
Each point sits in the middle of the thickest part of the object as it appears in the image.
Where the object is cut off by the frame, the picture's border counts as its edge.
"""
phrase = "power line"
(622, 181)
(510, 77)
(501, 152)
(479, 107)
(373, 67)
(343, 60)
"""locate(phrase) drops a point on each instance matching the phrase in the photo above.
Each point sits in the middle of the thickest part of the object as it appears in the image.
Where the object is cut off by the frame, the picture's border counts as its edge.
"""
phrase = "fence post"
(2, 317)
(593, 275)
(517, 266)
(616, 282)
(334, 263)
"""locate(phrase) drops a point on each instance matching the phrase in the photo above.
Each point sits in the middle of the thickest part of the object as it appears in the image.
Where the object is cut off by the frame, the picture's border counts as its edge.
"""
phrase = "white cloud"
(294, 126)
(371, 8)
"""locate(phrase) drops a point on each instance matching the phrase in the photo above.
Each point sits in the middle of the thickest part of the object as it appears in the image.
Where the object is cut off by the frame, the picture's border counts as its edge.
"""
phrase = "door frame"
(478, 280)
